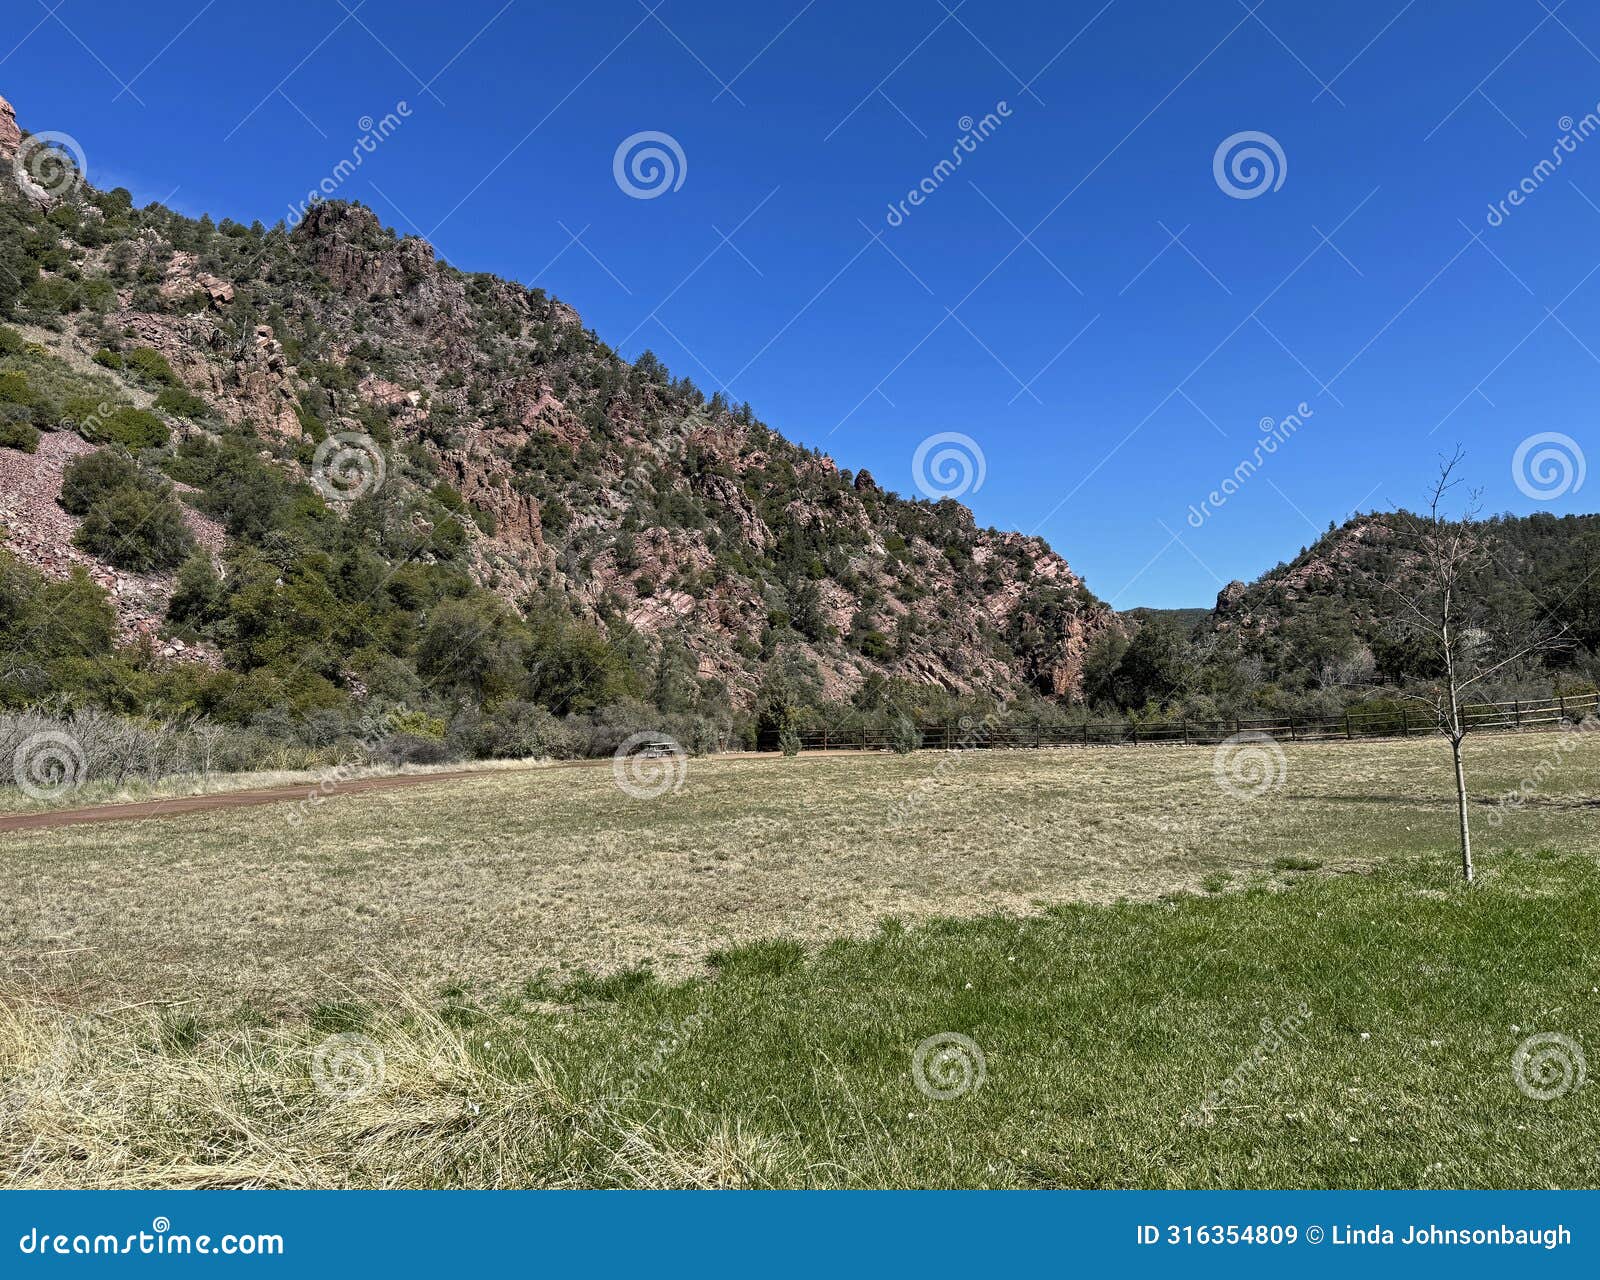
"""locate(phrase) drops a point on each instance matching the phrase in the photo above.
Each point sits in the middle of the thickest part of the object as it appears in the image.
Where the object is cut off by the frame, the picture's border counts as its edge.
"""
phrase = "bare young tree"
(1459, 638)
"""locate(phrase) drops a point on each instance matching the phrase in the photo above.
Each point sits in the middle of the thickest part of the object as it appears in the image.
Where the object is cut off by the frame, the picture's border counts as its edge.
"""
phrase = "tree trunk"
(1461, 811)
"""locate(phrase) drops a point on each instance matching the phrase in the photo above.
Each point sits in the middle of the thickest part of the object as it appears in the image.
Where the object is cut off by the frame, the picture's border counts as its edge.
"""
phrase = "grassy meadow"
(535, 980)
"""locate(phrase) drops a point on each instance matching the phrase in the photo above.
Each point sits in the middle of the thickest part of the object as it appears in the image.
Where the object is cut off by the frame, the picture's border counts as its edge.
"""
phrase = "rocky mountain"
(1334, 604)
(459, 430)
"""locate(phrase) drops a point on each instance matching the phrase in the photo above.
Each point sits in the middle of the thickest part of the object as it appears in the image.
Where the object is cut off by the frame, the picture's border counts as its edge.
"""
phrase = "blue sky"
(1081, 298)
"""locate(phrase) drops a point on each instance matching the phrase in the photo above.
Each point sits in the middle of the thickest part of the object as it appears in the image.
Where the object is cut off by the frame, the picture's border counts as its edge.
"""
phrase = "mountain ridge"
(646, 506)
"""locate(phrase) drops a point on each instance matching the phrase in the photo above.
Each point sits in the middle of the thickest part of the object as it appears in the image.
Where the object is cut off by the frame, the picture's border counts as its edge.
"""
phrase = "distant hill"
(1330, 601)
(1186, 620)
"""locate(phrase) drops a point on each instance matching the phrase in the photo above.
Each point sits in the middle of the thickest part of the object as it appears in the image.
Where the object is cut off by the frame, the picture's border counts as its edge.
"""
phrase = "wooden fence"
(1396, 722)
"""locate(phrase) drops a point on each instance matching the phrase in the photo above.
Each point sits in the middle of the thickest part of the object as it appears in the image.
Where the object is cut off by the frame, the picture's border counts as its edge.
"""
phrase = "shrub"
(144, 364)
(15, 434)
(903, 736)
(408, 748)
(182, 403)
(90, 478)
(14, 388)
(789, 741)
(875, 645)
(134, 428)
(137, 529)
(418, 724)
(11, 343)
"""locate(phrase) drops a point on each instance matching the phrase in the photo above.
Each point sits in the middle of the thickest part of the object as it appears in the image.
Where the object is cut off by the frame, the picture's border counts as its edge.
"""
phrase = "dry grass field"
(485, 883)
(1151, 981)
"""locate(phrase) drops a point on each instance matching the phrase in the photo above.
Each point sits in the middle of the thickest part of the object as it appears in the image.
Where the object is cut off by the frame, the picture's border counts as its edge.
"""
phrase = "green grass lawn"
(1104, 1030)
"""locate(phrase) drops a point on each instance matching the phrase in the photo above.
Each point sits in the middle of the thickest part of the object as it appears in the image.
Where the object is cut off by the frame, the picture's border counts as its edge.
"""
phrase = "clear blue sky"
(1399, 122)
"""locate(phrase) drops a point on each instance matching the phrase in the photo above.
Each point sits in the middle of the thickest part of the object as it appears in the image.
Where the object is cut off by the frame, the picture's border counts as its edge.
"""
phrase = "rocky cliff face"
(10, 135)
(569, 470)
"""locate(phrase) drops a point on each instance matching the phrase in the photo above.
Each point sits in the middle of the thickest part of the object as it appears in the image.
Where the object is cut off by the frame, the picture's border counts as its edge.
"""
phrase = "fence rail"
(1399, 722)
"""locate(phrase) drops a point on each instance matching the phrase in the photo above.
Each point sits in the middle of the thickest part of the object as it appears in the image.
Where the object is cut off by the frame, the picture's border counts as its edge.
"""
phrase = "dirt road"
(170, 808)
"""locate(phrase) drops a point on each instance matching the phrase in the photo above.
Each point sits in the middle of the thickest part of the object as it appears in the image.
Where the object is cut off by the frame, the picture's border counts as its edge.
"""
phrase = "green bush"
(133, 428)
(182, 403)
(144, 364)
(16, 434)
(14, 388)
(11, 343)
(136, 529)
(875, 645)
(92, 477)
(903, 736)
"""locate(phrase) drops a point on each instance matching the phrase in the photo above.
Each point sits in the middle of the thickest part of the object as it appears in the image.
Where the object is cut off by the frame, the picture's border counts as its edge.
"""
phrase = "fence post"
(1085, 733)
(824, 737)
(1291, 728)
(1348, 735)
(1516, 707)
(1405, 723)
(1186, 731)
(1563, 701)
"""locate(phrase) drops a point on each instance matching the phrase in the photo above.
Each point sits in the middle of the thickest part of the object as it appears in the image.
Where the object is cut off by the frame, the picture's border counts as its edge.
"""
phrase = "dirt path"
(176, 805)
